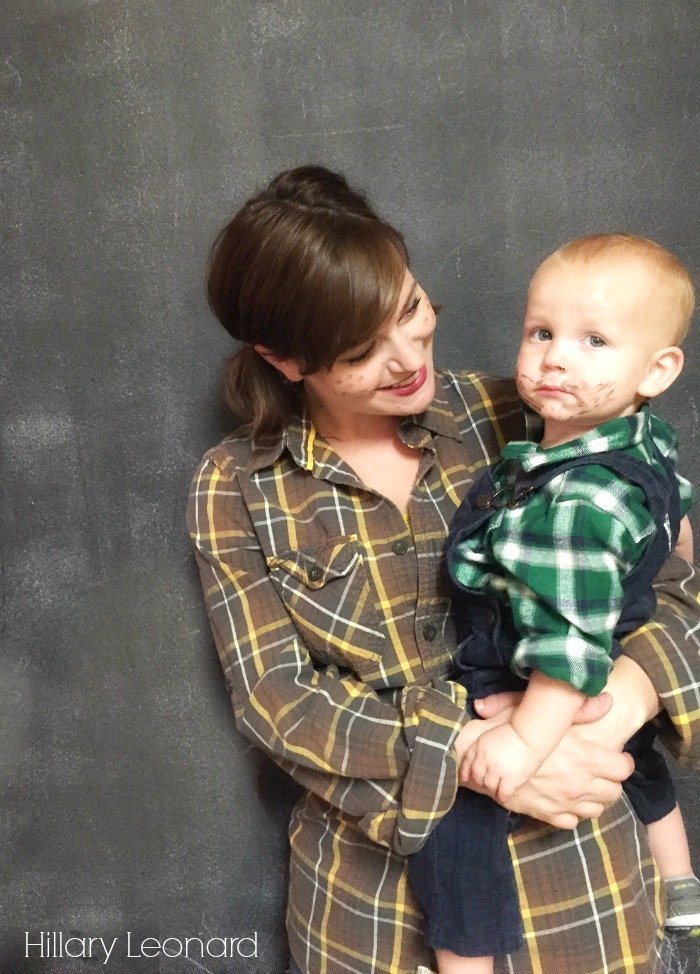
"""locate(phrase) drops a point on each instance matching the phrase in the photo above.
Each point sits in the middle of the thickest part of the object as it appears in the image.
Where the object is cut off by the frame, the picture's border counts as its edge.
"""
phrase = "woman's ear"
(664, 368)
(287, 366)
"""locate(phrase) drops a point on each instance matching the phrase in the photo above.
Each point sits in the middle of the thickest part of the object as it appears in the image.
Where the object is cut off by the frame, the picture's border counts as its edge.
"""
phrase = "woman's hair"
(308, 270)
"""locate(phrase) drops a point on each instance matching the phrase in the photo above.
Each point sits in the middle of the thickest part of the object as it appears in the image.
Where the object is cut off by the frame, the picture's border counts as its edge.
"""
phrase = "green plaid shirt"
(560, 558)
(332, 621)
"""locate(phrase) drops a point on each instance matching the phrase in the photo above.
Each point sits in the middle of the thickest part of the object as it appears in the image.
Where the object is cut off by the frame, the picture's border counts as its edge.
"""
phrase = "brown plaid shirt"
(331, 618)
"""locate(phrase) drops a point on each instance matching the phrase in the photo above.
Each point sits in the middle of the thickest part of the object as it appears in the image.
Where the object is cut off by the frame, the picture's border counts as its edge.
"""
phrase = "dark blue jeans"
(463, 876)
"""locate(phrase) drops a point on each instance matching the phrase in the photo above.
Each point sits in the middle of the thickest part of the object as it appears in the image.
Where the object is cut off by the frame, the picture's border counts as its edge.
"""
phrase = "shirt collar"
(615, 434)
(298, 437)
(438, 418)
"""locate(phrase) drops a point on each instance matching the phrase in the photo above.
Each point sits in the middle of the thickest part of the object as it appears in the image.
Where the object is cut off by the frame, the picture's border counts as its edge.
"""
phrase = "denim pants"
(463, 876)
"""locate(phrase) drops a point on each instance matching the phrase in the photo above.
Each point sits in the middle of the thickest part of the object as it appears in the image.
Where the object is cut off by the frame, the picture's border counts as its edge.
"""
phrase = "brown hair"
(675, 284)
(307, 269)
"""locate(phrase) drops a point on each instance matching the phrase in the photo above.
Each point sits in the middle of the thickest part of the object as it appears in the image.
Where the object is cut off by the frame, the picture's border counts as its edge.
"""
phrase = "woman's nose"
(407, 352)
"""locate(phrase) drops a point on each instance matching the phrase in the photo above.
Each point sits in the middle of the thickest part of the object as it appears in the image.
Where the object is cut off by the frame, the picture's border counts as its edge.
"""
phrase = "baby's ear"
(664, 368)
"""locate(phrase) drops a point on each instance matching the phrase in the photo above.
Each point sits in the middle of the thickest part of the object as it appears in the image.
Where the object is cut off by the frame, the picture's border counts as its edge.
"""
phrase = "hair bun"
(318, 188)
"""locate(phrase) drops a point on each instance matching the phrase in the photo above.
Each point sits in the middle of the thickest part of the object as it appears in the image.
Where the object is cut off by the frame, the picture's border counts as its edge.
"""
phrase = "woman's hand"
(575, 782)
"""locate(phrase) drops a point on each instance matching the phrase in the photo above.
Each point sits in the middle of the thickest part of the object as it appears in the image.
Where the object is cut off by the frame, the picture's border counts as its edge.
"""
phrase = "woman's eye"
(360, 357)
(413, 307)
(596, 341)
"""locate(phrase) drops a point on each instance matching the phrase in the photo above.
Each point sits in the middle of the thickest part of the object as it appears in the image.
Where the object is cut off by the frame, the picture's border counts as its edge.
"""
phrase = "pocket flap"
(314, 567)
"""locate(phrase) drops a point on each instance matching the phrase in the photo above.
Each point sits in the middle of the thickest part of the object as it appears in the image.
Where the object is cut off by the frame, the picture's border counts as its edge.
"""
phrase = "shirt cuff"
(433, 717)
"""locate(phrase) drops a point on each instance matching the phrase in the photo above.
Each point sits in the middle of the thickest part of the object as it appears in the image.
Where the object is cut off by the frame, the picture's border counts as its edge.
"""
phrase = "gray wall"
(489, 131)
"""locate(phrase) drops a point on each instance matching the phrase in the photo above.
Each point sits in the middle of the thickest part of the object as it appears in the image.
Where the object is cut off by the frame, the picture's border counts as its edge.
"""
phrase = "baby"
(552, 557)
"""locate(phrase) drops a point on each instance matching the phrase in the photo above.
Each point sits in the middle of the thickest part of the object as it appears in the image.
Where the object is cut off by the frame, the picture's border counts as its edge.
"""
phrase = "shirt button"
(400, 547)
(429, 632)
(483, 501)
(315, 574)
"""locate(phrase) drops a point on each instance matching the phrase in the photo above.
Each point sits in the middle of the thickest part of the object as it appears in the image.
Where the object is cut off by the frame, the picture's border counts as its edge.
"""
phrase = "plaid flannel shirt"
(559, 559)
(331, 619)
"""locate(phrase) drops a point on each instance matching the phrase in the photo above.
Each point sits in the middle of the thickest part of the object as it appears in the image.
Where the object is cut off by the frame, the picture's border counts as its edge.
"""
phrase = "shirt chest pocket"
(329, 598)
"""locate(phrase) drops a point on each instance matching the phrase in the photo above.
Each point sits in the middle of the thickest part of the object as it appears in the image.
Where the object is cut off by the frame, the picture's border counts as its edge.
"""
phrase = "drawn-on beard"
(595, 395)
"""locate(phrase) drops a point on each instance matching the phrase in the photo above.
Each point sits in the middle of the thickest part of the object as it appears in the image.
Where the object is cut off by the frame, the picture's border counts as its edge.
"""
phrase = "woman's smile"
(406, 387)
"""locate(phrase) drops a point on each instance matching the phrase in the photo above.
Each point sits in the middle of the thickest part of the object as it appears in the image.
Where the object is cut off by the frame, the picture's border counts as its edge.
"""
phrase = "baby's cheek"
(601, 392)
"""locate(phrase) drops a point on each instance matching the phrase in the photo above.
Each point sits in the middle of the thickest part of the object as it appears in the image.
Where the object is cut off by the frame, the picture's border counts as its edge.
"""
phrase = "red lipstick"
(414, 385)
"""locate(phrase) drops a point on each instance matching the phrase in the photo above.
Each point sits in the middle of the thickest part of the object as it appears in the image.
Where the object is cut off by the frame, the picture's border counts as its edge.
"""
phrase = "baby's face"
(589, 338)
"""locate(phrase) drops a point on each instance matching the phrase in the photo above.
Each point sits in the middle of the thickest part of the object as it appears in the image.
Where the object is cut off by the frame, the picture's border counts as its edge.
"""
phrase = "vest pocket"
(329, 598)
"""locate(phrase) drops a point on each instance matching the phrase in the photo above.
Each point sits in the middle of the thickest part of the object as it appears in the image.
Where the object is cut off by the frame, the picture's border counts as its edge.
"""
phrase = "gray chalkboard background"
(488, 130)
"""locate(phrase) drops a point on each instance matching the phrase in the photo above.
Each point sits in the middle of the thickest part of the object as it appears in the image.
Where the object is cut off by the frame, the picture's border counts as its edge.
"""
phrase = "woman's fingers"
(593, 708)
(603, 790)
(609, 766)
(564, 820)
(496, 703)
(585, 810)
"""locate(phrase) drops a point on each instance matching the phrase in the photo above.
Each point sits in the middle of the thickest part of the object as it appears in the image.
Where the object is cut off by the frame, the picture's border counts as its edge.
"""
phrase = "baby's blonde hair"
(674, 279)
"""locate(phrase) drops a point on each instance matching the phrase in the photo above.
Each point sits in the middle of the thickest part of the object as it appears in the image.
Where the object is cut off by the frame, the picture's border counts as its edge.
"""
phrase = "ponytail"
(256, 392)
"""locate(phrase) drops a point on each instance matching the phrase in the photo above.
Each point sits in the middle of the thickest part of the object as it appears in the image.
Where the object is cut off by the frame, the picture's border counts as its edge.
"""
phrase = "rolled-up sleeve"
(385, 759)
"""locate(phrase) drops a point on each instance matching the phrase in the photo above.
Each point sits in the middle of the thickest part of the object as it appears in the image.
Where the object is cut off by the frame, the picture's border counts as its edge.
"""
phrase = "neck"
(350, 429)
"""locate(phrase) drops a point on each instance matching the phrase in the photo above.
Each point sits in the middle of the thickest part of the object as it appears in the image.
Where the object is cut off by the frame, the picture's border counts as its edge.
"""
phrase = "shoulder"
(476, 399)
(475, 388)
(603, 501)
(664, 436)
(214, 486)
(665, 440)
(230, 455)
(217, 507)
(241, 454)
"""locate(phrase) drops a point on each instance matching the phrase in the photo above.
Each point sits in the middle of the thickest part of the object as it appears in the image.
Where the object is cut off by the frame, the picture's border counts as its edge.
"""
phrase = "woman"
(319, 531)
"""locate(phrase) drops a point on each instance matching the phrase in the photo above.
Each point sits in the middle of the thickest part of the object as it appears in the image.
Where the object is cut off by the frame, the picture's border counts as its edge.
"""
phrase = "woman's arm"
(388, 763)
(667, 648)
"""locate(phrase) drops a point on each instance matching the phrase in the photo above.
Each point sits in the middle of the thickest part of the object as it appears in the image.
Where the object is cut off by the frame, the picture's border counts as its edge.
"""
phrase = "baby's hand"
(500, 761)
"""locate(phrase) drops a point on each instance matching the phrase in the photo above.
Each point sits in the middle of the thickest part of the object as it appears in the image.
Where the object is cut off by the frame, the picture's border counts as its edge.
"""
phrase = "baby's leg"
(449, 963)
(669, 845)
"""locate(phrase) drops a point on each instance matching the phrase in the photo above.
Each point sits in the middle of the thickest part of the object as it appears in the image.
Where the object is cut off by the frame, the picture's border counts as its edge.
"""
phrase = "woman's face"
(391, 375)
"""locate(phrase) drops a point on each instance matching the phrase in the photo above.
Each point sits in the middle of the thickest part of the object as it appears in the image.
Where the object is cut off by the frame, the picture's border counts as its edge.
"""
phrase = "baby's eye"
(596, 341)
(542, 335)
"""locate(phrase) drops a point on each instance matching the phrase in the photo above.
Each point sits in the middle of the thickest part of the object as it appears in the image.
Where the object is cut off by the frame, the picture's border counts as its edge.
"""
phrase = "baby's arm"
(684, 545)
(504, 758)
